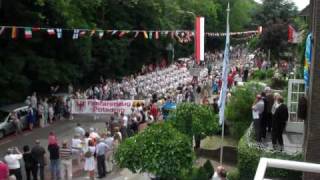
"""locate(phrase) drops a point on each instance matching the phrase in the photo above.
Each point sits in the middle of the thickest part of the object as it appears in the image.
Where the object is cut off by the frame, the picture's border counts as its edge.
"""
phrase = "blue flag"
(225, 72)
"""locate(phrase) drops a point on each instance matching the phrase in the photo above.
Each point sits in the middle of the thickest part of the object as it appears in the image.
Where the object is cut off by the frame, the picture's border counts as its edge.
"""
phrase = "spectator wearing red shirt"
(230, 81)
(4, 171)
(154, 111)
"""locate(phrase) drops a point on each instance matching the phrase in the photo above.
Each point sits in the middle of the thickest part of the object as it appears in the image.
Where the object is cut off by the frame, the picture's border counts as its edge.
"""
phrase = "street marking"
(5, 141)
(25, 134)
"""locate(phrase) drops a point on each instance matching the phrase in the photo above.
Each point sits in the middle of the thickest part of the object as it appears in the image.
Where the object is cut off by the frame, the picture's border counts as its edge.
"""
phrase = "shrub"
(208, 168)
(233, 175)
(263, 74)
(278, 83)
(203, 173)
(238, 110)
(160, 150)
(249, 155)
(195, 120)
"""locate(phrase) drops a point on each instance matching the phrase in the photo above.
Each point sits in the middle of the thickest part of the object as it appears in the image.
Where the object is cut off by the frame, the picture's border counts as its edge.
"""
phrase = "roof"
(10, 108)
(305, 11)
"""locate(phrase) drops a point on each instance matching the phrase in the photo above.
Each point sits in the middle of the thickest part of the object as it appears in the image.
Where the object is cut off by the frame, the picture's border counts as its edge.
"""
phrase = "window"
(3, 116)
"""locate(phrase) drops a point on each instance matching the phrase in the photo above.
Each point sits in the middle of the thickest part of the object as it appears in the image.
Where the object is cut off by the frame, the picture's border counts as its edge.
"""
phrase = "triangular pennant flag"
(14, 32)
(114, 32)
(27, 33)
(35, 29)
(156, 34)
(150, 34)
(145, 34)
(123, 33)
(59, 33)
(82, 33)
(93, 31)
(172, 34)
(101, 33)
(136, 34)
(75, 34)
(51, 32)
(2, 29)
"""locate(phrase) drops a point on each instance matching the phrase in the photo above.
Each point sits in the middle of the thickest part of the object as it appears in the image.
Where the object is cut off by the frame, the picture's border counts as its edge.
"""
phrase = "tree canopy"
(37, 63)
(160, 150)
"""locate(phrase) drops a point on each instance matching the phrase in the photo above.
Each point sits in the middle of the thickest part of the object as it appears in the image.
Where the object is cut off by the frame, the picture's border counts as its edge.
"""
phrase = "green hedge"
(249, 155)
(263, 74)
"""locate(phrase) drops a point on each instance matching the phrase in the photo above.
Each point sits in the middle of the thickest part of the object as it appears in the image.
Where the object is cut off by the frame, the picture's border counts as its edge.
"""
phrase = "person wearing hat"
(12, 160)
(257, 110)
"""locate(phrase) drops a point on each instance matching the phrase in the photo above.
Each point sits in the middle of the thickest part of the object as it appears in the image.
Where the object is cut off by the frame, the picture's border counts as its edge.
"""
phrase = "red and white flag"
(51, 32)
(199, 39)
(294, 36)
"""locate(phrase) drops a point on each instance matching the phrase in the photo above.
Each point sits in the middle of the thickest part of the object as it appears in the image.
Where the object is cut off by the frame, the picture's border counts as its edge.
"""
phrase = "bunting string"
(182, 36)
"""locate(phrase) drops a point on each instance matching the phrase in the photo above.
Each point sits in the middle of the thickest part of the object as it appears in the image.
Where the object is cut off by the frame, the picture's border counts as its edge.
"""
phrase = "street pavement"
(64, 130)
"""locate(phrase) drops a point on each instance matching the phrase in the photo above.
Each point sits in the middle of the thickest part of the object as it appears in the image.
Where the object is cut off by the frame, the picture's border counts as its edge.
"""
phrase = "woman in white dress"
(89, 164)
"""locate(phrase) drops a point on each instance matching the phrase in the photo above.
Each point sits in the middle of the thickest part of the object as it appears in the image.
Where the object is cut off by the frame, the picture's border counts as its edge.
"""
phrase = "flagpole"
(223, 91)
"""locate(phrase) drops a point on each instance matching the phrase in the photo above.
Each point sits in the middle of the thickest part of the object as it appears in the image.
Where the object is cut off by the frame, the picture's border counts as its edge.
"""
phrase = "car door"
(23, 113)
(9, 125)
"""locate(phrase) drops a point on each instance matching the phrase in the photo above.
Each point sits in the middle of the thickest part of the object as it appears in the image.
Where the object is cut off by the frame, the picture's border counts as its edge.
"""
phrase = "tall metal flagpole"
(223, 92)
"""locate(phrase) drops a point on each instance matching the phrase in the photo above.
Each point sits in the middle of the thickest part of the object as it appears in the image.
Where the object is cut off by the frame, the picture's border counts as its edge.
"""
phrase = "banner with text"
(91, 106)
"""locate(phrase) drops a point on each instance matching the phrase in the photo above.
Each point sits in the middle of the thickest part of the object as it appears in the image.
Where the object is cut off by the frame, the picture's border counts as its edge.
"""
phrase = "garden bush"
(159, 149)
(233, 175)
(204, 172)
(238, 109)
(249, 155)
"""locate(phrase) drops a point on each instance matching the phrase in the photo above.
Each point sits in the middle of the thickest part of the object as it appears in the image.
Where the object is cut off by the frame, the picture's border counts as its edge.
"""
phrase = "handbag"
(88, 154)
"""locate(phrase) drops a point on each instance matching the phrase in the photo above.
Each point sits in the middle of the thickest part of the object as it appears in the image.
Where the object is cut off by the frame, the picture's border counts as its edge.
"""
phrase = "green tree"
(160, 150)
(195, 120)
(238, 110)
(275, 16)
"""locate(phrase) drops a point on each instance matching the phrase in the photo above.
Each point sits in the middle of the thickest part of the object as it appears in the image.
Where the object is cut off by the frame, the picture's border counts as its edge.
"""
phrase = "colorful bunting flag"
(101, 33)
(93, 31)
(172, 35)
(2, 29)
(114, 32)
(35, 29)
(27, 33)
(123, 33)
(150, 34)
(14, 32)
(145, 34)
(156, 34)
(82, 33)
(75, 34)
(59, 33)
(136, 34)
(51, 32)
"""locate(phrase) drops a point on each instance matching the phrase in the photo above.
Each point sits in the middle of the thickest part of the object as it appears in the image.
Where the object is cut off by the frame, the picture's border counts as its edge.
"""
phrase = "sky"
(300, 3)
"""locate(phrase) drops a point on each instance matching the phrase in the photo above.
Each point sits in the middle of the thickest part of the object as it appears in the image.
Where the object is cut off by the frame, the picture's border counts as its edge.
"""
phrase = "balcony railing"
(284, 164)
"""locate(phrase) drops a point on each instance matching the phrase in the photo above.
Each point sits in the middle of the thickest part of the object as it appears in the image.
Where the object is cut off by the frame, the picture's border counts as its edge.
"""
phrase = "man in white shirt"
(76, 147)
(257, 110)
(79, 130)
(12, 160)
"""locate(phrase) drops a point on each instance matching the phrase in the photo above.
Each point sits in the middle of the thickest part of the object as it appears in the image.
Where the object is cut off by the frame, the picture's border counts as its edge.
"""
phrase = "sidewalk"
(117, 174)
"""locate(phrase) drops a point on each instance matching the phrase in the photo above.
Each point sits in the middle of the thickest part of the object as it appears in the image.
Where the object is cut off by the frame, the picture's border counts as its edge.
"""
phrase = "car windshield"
(3, 115)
